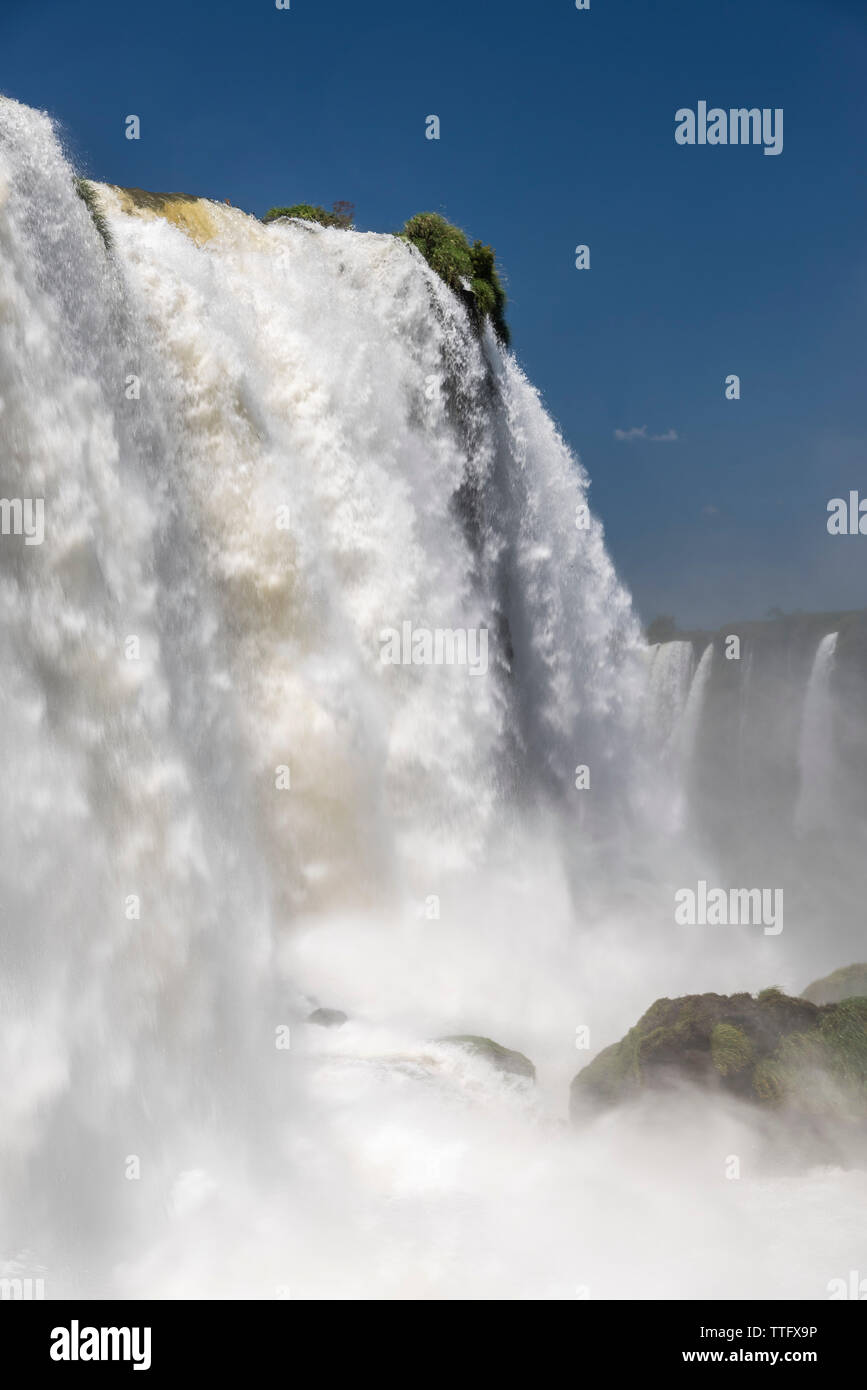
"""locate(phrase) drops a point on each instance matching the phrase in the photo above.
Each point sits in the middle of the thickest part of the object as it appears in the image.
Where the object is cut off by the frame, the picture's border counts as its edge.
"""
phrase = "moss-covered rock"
(772, 1050)
(848, 983)
(327, 1018)
(730, 1049)
(503, 1058)
(822, 1070)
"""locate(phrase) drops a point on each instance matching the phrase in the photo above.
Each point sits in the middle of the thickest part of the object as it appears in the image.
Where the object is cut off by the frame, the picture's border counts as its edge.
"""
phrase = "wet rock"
(503, 1058)
(772, 1050)
(328, 1018)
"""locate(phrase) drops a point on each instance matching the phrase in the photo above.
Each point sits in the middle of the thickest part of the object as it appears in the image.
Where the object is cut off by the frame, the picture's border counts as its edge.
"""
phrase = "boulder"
(503, 1058)
(770, 1049)
(327, 1018)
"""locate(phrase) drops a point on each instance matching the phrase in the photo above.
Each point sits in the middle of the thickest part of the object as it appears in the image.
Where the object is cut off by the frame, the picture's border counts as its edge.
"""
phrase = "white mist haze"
(330, 374)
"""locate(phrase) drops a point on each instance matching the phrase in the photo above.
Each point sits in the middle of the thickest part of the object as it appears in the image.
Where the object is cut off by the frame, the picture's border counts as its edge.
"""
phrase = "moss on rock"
(822, 1071)
(503, 1058)
(327, 1018)
(730, 1049)
(773, 1050)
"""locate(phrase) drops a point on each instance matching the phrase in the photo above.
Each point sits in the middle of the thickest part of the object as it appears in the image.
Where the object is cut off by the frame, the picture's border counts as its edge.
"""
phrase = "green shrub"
(86, 193)
(470, 271)
(488, 289)
(340, 216)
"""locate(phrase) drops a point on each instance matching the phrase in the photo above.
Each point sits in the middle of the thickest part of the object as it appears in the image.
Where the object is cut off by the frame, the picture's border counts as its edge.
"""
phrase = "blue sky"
(558, 129)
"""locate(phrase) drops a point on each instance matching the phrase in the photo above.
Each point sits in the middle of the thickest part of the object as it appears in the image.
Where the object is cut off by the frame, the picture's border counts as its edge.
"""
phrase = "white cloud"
(640, 432)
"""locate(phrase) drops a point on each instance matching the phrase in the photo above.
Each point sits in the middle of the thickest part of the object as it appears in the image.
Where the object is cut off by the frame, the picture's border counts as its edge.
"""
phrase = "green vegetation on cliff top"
(470, 271)
(340, 216)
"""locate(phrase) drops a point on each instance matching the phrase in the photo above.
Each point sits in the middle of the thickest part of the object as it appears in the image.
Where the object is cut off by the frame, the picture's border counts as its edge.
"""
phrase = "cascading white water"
(694, 708)
(669, 672)
(815, 803)
(677, 689)
(671, 667)
(255, 455)
(258, 449)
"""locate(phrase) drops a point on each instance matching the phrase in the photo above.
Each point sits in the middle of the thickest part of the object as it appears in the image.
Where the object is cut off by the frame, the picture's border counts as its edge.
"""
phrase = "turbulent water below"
(259, 449)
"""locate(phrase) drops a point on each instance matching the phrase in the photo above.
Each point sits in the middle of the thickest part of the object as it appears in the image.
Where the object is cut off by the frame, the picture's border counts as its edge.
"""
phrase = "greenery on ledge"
(340, 216)
(86, 193)
(470, 271)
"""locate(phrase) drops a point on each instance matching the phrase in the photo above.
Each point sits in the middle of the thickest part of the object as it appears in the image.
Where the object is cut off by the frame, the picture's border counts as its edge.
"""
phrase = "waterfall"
(694, 708)
(259, 450)
(686, 736)
(815, 805)
(674, 702)
(669, 669)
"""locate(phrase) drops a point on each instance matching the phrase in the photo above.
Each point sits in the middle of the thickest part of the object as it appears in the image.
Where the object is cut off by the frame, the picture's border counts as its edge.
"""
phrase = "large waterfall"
(260, 449)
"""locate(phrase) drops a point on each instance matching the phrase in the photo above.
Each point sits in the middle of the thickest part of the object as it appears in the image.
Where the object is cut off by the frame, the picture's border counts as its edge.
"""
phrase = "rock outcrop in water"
(771, 1050)
(327, 1018)
(504, 1059)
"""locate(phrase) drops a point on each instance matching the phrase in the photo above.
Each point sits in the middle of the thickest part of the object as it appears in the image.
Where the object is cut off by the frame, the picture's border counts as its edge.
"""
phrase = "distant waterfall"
(816, 745)
(671, 667)
(674, 703)
(694, 708)
(683, 739)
